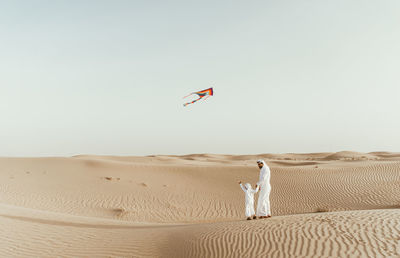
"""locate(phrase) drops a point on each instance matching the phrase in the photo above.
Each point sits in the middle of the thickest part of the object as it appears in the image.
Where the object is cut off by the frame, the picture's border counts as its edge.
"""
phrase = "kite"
(202, 94)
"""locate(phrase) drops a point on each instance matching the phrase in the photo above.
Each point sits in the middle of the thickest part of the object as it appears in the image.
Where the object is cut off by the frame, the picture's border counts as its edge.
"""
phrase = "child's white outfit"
(249, 197)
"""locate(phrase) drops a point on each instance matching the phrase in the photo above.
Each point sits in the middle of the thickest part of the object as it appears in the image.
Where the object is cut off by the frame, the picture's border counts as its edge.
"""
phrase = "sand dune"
(339, 234)
(326, 204)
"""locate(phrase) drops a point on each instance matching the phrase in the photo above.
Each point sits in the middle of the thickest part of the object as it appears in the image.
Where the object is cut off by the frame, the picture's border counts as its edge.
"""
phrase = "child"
(249, 197)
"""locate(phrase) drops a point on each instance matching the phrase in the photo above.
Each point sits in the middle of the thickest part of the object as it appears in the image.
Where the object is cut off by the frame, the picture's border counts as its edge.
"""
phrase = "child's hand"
(239, 182)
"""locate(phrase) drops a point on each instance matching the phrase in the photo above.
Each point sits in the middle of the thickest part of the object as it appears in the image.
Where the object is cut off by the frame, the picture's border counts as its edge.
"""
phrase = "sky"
(108, 77)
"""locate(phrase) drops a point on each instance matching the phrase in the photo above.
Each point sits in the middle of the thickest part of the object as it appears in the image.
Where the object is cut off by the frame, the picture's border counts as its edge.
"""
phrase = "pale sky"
(108, 77)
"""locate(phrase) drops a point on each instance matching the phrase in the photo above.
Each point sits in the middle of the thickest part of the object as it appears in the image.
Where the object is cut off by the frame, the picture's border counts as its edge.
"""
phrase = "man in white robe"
(263, 206)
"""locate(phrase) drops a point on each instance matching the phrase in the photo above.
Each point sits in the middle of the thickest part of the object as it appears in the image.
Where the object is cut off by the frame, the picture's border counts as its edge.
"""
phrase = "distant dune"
(323, 204)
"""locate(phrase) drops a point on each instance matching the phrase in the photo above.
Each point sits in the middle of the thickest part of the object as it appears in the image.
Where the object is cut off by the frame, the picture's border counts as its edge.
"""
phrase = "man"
(263, 206)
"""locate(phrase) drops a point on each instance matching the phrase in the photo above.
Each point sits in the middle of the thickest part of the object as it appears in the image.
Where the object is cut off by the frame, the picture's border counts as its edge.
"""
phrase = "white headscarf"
(261, 161)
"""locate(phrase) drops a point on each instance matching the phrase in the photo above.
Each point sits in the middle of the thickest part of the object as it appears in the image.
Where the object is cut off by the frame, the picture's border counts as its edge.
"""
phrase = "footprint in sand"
(112, 178)
(120, 212)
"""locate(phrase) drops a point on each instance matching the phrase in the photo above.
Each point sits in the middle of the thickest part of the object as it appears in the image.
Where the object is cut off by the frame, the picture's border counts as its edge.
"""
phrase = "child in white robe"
(249, 198)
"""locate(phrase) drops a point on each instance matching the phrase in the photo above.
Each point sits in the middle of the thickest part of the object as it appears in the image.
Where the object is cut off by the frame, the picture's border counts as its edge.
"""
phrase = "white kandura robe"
(263, 206)
(249, 198)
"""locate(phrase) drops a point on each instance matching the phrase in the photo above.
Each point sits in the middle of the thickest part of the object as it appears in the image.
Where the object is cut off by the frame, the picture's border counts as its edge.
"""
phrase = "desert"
(323, 204)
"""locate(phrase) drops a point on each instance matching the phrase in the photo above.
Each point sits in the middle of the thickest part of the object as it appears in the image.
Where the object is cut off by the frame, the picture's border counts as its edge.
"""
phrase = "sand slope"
(327, 204)
(339, 234)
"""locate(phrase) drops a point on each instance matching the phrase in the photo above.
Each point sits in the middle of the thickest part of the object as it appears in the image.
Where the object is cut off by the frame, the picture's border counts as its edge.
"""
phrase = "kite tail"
(191, 102)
